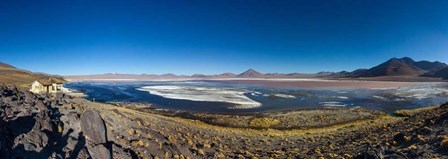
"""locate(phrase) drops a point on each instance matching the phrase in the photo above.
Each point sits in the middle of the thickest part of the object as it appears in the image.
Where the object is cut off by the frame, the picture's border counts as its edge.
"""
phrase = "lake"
(234, 97)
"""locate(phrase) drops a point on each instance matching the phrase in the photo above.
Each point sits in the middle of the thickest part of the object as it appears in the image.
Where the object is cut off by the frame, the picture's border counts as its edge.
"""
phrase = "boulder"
(401, 138)
(33, 141)
(93, 127)
(40, 105)
(43, 124)
(99, 152)
(9, 112)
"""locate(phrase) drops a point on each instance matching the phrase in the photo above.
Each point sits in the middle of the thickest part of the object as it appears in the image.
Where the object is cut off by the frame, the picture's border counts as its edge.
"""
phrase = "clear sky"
(69, 37)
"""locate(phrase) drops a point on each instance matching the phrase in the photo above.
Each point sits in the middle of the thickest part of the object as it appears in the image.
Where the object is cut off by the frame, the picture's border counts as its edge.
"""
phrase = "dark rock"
(34, 141)
(83, 154)
(7, 93)
(40, 105)
(379, 152)
(419, 154)
(43, 124)
(93, 127)
(23, 112)
(401, 138)
(119, 152)
(424, 131)
(100, 152)
(444, 105)
(9, 112)
(442, 120)
(371, 153)
(29, 96)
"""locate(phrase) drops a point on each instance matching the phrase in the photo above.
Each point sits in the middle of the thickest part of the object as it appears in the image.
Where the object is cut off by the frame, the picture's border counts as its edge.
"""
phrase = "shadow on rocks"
(54, 148)
(80, 145)
(12, 129)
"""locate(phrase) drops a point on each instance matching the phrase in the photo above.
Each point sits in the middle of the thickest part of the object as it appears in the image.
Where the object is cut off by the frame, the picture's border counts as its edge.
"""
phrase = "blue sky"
(186, 37)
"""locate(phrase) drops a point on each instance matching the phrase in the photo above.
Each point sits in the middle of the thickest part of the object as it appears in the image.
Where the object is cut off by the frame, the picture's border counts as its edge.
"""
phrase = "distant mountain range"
(400, 67)
(395, 67)
(250, 73)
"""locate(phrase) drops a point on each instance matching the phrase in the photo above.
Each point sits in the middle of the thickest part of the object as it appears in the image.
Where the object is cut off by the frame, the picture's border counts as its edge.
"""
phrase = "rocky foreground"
(60, 126)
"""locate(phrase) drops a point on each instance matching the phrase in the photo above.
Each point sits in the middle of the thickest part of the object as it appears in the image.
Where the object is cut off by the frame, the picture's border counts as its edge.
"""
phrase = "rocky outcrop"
(49, 126)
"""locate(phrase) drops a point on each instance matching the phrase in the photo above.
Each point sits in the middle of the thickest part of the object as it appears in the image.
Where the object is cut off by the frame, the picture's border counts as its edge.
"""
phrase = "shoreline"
(379, 118)
(272, 121)
(327, 116)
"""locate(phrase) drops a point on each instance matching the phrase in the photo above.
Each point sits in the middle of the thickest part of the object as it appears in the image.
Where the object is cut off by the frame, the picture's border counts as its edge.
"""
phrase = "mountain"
(225, 75)
(325, 73)
(251, 73)
(404, 67)
(354, 73)
(425, 65)
(392, 67)
(441, 73)
(199, 76)
(19, 77)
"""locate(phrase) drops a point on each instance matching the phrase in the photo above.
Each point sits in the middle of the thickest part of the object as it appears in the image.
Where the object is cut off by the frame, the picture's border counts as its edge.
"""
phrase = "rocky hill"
(41, 126)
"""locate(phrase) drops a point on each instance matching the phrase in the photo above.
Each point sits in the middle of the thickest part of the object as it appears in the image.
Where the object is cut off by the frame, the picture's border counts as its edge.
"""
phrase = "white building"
(50, 85)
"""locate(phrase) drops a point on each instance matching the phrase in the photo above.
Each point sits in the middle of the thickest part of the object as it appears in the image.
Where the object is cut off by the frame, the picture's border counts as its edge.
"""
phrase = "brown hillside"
(10, 75)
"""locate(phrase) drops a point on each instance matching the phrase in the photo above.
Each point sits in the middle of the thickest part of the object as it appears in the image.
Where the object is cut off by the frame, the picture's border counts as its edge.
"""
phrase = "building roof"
(49, 81)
